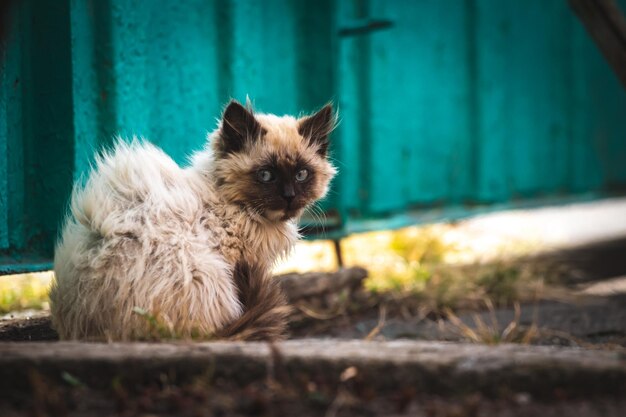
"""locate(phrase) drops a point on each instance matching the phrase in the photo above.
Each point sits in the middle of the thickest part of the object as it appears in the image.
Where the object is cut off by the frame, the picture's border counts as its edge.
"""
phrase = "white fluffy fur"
(135, 238)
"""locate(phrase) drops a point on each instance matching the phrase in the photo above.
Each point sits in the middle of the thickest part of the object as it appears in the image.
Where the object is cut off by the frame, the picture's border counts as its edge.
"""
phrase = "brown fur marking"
(265, 306)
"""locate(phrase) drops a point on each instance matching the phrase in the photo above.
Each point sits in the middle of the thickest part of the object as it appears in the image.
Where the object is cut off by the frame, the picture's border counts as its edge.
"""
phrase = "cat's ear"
(238, 126)
(317, 128)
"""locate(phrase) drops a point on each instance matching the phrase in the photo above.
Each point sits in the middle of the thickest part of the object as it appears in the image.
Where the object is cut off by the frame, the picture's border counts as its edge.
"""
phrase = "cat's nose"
(289, 193)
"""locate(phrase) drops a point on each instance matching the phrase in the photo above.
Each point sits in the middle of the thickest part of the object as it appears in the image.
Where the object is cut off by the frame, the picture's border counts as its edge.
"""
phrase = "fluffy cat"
(194, 246)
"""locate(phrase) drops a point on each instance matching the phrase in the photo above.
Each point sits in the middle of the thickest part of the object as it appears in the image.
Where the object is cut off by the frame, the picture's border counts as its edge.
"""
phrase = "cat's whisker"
(336, 162)
(319, 212)
(319, 217)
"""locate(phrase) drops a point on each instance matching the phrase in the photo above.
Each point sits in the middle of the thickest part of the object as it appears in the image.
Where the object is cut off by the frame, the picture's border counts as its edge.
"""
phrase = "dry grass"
(420, 263)
(439, 266)
(160, 328)
(493, 332)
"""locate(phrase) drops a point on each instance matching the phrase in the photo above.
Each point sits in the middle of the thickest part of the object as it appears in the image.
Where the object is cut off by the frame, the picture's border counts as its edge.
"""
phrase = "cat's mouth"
(291, 213)
(283, 215)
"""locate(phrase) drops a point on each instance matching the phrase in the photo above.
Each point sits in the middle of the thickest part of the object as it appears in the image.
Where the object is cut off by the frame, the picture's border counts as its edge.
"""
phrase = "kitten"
(194, 246)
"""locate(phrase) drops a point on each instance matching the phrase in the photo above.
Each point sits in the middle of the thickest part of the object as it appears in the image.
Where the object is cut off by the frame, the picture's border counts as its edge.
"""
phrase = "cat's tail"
(265, 306)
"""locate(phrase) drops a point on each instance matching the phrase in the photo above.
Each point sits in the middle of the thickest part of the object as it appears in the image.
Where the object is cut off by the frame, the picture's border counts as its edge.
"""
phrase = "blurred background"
(449, 109)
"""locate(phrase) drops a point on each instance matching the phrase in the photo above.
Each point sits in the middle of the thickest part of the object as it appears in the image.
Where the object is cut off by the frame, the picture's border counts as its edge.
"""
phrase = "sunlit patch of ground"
(604, 288)
(426, 260)
(24, 292)
(448, 264)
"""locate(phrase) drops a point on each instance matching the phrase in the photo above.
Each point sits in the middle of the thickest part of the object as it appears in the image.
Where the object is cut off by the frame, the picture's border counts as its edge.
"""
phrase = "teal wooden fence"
(447, 107)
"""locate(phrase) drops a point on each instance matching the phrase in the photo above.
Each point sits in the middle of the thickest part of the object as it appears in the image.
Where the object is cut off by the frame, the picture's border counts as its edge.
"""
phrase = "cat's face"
(274, 166)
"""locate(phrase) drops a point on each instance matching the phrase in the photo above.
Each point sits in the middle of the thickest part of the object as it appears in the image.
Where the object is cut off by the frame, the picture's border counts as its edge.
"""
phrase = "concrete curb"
(427, 367)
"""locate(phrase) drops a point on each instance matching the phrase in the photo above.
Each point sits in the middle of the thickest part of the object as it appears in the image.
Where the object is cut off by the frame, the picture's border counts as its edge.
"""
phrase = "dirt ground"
(589, 312)
(588, 321)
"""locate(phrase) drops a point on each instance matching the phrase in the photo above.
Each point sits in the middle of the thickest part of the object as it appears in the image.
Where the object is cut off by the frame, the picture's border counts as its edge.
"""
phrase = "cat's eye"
(265, 175)
(302, 175)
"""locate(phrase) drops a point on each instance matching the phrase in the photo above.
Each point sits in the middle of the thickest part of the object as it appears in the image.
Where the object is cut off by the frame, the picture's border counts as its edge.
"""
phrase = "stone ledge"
(429, 367)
